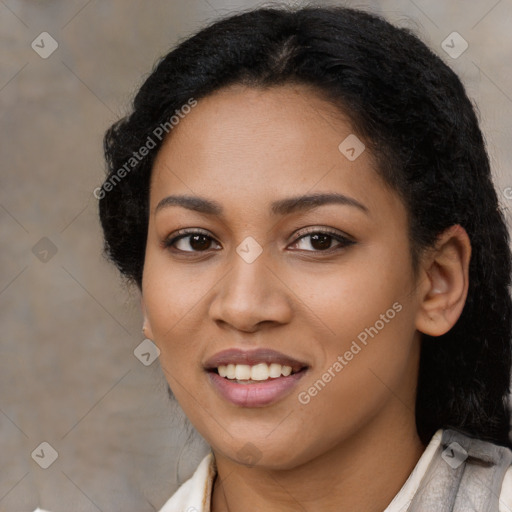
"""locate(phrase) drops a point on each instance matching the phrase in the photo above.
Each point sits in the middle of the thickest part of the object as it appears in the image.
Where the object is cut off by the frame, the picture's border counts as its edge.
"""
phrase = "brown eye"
(321, 241)
(199, 242)
(191, 241)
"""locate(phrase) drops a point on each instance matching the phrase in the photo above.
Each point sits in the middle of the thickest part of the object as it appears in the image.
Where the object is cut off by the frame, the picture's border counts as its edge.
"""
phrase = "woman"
(305, 202)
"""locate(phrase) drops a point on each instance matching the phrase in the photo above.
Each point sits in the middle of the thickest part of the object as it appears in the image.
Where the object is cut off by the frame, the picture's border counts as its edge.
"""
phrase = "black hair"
(412, 112)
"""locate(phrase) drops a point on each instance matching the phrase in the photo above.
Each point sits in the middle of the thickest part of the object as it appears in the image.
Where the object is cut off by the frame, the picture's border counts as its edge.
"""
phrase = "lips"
(254, 378)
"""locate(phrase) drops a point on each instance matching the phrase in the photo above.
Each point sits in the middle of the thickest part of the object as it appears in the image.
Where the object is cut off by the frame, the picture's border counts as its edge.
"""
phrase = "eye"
(321, 239)
(196, 239)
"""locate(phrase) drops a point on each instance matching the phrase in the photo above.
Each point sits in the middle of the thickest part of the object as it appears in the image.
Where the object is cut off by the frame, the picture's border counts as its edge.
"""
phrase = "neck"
(363, 472)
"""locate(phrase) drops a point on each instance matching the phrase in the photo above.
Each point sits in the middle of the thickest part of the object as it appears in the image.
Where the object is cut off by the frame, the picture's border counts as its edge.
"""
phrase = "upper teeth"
(261, 371)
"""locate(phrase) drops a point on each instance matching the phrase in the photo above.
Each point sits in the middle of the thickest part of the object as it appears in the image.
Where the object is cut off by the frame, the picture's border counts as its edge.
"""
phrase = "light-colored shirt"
(194, 495)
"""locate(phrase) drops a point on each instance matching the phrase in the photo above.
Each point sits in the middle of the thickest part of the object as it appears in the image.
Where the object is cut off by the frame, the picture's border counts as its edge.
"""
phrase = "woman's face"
(274, 281)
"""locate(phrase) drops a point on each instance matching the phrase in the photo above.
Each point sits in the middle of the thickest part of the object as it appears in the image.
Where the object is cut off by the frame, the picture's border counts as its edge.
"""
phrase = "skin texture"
(245, 148)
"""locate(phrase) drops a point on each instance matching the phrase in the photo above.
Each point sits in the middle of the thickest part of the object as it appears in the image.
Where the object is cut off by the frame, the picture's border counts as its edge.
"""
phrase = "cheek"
(354, 294)
(369, 312)
(172, 296)
(173, 290)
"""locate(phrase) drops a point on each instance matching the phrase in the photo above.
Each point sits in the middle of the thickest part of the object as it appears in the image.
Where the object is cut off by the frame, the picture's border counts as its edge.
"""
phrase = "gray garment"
(465, 475)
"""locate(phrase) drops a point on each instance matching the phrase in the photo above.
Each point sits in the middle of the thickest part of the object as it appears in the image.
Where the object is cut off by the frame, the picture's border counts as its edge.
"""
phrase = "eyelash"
(184, 233)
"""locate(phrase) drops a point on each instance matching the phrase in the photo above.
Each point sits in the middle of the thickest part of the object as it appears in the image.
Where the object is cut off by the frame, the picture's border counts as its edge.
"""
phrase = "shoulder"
(458, 468)
(194, 494)
(505, 503)
(482, 470)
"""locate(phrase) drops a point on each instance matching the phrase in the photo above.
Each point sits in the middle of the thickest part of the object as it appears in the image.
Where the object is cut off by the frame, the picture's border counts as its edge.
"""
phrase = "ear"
(146, 327)
(444, 282)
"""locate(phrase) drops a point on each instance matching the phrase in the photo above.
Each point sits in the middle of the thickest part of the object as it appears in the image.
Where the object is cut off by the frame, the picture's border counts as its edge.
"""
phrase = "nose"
(251, 295)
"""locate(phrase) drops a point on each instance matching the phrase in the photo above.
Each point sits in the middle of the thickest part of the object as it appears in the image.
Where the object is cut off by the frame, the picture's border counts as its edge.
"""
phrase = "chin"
(265, 456)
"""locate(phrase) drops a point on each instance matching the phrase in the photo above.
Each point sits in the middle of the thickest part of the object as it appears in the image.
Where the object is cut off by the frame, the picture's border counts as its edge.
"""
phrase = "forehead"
(255, 145)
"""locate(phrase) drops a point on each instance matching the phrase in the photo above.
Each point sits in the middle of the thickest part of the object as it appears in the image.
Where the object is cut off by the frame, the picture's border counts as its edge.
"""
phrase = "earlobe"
(445, 274)
(146, 328)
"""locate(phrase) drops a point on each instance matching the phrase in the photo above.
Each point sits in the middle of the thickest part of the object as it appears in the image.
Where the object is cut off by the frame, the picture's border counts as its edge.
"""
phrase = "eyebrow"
(280, 207)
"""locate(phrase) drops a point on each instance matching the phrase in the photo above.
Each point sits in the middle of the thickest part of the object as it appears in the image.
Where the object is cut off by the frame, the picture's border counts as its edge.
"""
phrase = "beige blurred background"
(69, 326)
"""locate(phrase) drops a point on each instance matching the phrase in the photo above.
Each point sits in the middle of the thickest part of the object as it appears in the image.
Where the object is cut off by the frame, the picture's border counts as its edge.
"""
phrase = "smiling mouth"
(254, 378)
(252, 374)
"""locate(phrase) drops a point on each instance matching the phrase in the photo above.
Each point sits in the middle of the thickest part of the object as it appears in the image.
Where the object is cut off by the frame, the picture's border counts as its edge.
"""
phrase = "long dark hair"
(414, 116)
